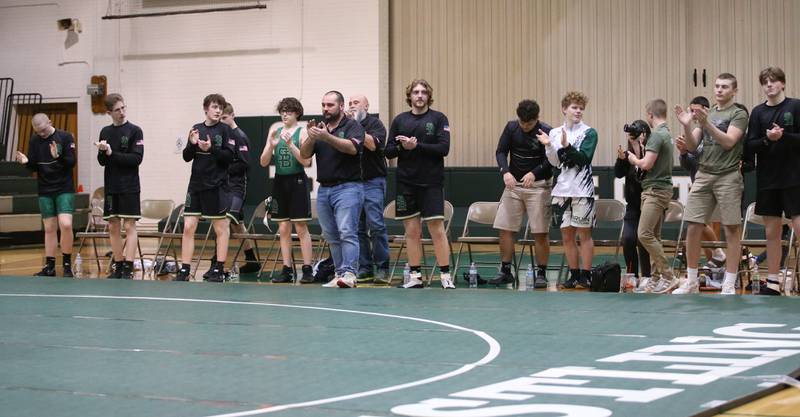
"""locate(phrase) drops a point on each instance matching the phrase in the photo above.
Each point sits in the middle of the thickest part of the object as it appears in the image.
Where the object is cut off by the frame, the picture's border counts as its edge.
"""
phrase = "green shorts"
(52, 205)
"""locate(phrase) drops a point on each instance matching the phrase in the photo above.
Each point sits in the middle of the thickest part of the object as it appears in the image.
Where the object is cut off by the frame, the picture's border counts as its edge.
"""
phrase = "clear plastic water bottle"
(78, 267)
(234, 273)
(529, 278)
(406, 273)
(755, 283)
(473, 275)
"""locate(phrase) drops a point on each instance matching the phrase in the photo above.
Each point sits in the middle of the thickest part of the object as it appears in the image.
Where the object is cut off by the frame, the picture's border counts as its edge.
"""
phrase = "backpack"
(606, 277)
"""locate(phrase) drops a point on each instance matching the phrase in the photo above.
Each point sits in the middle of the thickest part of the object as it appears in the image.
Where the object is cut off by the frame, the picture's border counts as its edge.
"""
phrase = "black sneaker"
(539, 281)
(126, 271)
(116, 271)
(308, 275)
(207, 274)
(766, 290)
(502, 278)
(365, 277)
(285, 275)
(571, 282)
(250, 267)
(46, 272)
(68, 271)
(216, 275)
(584, 280)
(183, 275)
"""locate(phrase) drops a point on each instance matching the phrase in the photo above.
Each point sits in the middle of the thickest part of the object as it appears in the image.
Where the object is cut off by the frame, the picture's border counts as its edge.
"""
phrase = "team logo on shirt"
(788, 119)
(429, 128)
(341, 135)
(123, 142)
(243, 148)
(58, 148)
(217, 141)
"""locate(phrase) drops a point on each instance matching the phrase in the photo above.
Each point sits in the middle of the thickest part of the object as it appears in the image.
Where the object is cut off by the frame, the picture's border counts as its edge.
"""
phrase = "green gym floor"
(95, 347)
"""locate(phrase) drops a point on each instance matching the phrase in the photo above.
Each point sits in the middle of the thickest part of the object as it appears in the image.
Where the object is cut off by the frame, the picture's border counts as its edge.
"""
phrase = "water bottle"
(529, 278)
(473, 275)
(755, 283)
(406, 274)
(78, 267)
(234, 273)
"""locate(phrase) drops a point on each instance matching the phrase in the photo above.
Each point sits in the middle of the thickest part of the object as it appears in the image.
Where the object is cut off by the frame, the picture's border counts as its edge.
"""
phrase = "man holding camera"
(718, 179)
(656, 190)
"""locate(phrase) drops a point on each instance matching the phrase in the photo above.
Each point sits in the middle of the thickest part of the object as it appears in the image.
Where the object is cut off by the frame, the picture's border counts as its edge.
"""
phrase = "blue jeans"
(374, 246)
(338, 209)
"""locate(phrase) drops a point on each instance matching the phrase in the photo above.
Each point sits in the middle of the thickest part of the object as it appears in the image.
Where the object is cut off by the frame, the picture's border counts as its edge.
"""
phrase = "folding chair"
(260, 212)
(147, 227)
(177, 234)
(610, 210)
(483, 213)
(425, 241)
(674, 214)
(751, 218)
(318, 244)
(96, 227)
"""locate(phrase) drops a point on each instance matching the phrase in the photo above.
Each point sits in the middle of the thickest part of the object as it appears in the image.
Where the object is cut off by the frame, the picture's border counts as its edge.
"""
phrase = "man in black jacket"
(527, 180)
(210, 149)
(120, 150)
(51, 154)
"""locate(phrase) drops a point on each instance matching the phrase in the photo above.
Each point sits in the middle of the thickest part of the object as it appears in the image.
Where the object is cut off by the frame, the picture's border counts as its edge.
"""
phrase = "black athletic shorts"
(780, 202)
(236, 212)
(291, 198)
(415, 200)
(210, 204)
(124, 206)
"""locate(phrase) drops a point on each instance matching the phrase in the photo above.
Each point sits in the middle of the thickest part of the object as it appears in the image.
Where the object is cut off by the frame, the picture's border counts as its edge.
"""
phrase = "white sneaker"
(446, 281)
(688, 287)
(332, 283)
(348, 280)
(642, 283)
(414, 281)
(728, 287)
(649, 287)
(666, 285)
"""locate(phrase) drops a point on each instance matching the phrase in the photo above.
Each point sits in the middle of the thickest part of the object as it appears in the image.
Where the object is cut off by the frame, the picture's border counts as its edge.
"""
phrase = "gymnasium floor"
(95, 347)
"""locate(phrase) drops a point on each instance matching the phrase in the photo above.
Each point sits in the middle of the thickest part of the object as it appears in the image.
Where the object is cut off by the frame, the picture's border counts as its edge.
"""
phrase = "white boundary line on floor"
(492, 354)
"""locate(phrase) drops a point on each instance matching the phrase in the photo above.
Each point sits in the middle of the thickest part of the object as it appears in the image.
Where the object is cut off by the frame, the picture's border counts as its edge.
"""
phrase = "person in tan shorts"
(527, 181)
(718, 179)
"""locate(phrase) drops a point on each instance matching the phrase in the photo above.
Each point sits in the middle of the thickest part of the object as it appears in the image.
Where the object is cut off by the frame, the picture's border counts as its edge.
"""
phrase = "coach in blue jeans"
(337, 144)
(372, 240)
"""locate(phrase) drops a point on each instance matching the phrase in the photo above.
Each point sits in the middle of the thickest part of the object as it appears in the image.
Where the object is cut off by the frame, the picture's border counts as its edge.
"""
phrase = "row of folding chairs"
(608, 210)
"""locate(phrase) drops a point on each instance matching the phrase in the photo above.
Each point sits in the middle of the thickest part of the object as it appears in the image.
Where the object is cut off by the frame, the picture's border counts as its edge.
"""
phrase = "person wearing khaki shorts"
(527, 190)
(718, 180)
(656, 194)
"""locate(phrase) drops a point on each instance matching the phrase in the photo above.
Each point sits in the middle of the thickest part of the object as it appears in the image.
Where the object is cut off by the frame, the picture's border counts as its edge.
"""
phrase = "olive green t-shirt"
(660, 175)
(715, 159)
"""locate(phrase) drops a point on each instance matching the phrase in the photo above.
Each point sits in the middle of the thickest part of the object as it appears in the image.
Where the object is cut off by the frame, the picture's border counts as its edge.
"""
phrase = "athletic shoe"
(250, 267)
(687, 287)
(365, 277)
(571, 282)
(666, 285)
(502, 278)
(308, 275)
(642, 284)
(585, 280)
(765, 290)
(414, 281)
(447, 282)
(208, 273)
(127, 271)
(286, 275)
(715, 262)
(216, 275)
(333, 283)
(728, 287)
(539, 281)
(382, 277)
(116, 271)
(649, 286)
(348, 280)
(46, 272)
(183, 275)
(68, 271)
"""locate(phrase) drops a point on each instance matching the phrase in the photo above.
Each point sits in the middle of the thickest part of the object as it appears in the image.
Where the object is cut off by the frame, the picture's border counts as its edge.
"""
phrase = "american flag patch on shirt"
(139, 142)
(231, 142)
(243, 148)
(446, 128)
(72, 145)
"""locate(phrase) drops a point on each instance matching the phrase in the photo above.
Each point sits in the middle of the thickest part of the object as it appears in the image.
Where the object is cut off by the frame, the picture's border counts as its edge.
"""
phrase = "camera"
(636, 128)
